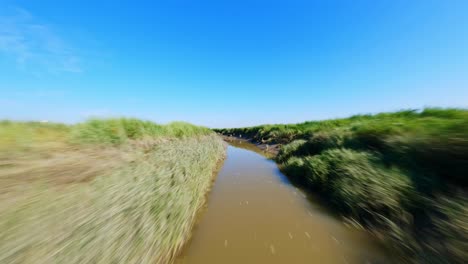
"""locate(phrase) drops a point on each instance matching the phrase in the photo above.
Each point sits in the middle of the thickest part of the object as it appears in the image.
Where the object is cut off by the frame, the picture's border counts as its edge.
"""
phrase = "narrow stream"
(255, 215)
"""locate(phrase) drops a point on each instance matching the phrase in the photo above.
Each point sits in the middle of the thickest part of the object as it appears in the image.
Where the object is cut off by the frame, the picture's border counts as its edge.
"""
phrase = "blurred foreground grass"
(104, 191)
(401, 175)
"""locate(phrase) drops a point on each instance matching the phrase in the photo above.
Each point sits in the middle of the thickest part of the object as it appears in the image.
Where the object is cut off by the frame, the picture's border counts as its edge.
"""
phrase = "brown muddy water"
(255, 215)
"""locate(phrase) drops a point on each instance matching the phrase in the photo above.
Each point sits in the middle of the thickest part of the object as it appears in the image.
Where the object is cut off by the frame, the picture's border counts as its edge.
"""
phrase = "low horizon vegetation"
(401, 175)
(102, 191)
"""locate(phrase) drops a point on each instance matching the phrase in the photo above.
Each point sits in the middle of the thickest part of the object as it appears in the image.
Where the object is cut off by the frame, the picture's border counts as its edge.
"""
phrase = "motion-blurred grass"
(402, 175)
(104, 191)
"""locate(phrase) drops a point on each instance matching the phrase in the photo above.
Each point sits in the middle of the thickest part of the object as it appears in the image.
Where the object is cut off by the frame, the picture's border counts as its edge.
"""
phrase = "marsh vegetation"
(128, 191)
(400, 175)
(103, 191)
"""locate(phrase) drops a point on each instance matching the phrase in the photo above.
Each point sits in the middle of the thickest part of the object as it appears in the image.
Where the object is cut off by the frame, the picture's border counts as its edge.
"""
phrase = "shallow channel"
(255, 215)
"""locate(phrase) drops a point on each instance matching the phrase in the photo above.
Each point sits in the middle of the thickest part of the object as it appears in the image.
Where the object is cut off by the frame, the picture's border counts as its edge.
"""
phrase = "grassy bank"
(104, 191)
(401, 175)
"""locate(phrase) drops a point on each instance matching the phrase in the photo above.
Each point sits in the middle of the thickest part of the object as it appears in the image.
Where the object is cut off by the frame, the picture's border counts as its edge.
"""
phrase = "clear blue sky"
(230, 63)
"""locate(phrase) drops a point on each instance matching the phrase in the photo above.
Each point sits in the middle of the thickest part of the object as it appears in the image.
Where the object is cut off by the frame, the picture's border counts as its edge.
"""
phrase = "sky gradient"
(230, 63)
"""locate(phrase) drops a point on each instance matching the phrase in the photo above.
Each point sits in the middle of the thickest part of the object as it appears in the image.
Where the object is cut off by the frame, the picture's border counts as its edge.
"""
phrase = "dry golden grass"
(129, 203)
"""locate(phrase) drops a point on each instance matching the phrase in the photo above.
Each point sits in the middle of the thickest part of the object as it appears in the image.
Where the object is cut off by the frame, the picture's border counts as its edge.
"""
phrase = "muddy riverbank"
(269, 150)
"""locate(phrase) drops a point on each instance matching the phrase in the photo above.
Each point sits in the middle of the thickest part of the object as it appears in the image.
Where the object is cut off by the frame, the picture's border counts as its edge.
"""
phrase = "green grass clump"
(358, 184)
(117, 131)
(402, 175)
(290, 149)
(115, 191)
(110, 131)
(448, 220)
(182, 129)
(294, 167)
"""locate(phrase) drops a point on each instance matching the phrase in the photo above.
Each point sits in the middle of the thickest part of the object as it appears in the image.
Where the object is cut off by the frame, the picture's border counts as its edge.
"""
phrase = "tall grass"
(401, 175)
(137, 207)
(22, 136)
(117, 131)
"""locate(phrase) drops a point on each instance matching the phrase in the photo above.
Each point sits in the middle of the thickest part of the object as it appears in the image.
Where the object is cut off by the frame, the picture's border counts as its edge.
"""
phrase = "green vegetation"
(104, 191)
(117, 131)
(400, 175)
